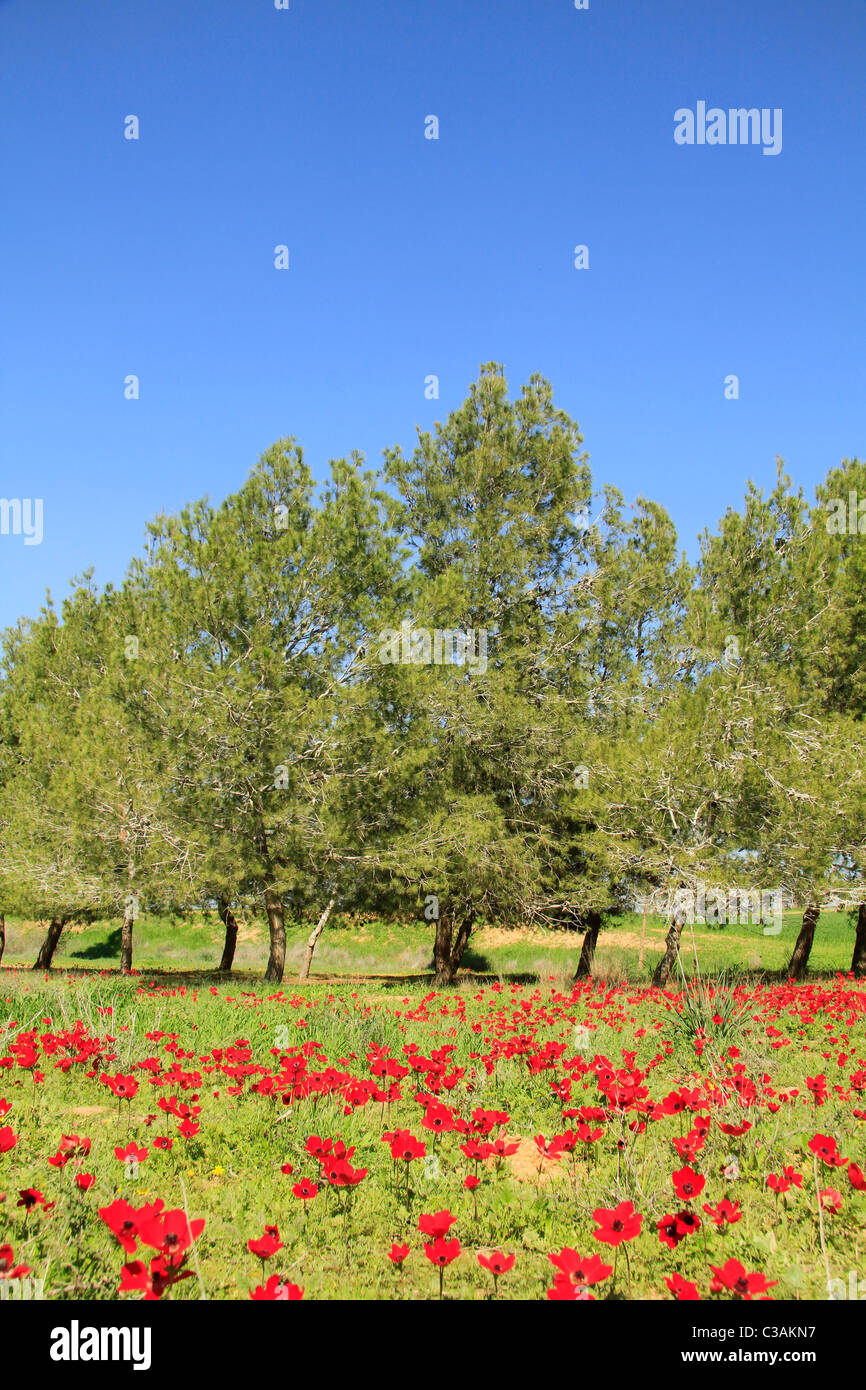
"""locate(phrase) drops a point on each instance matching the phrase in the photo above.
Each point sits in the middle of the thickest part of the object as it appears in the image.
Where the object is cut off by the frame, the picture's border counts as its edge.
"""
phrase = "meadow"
(179, 1134)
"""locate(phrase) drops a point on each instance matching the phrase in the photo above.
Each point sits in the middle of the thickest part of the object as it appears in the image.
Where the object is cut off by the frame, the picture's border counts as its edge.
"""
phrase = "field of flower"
(160, 1140)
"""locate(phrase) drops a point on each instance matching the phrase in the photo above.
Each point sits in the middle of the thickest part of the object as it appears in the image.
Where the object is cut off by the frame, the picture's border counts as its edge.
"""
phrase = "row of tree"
(265, 716)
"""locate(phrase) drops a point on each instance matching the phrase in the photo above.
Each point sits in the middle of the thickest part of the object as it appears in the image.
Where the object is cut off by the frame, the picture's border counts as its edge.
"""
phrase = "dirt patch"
(524, 1165)
(87, 1109)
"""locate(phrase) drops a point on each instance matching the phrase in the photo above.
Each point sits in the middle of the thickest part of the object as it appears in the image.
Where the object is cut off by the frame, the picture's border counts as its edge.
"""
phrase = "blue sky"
(411, 257)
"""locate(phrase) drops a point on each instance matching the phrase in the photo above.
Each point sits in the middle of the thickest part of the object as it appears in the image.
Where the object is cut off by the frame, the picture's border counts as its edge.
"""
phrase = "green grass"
(230, 1173)
(354, 948)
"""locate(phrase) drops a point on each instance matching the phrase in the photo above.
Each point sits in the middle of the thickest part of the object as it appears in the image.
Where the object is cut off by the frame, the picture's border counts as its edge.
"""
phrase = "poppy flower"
(442, 1252)
(305, 1189)
(831, 1199)
(618, 1224)
(470, 1182)
(687, 1223)
(736, 1130)
(397, 1254)
(8, 1139)
(688, 1184)
(669, 1231)
(84, 1181)
(163, 1143)
(564, 1289)
(856, 1177)
(340, 1173)
(582, 1269)
(824, 1145)
(124, 1087)
(275, 1290)
(122, 1220)
(732, 1275)
(725, 1213)
(497, 1263)
(681, 1288)
(29, 1197)
(8, 1267)
(405, 1147)
(131, 1151)
(437, 1225)
(287, 1169)
(169, 1232)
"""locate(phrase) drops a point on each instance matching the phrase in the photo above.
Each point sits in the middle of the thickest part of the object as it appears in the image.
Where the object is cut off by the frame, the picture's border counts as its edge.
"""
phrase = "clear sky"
(410, 256)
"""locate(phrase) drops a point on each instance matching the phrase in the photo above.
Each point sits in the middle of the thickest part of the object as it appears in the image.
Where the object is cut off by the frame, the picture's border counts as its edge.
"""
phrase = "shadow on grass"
(99, 950)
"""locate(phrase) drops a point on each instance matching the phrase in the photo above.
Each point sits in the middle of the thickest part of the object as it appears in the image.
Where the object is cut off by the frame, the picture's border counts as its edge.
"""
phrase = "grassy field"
(599, 1093)
(354, 948)
(266, 1074)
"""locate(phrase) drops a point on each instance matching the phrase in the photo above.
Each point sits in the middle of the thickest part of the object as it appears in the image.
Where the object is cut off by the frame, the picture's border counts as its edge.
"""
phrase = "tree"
(490, 503)
(264, 605)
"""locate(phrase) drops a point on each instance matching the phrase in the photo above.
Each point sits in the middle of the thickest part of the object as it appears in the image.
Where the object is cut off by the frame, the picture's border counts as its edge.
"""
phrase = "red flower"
(588, 1269)
(497, 1263)
(733, 1276)
(725, 1213)
(169, 1232)
(277, 1291)
(131, 1151)
(29, 1197)
(163, 1143)
(856, 1177)
(287, 1169)
(669, 1231)
(688, 1184)
(122, 1220)
(405, 1147)
(305, 1189)
(681, 1288)
(831, 1199)
(616, 1225)
(267, 1245)
(442, 1252)
(736, 1130)
(565, 1289)
(8, 1140)
(340, 1173)
(8, 1267)
(470, 1183)
(824, 1145)
(436, 1226)
(84, 1181)
(124, 1087)
(397, 1254)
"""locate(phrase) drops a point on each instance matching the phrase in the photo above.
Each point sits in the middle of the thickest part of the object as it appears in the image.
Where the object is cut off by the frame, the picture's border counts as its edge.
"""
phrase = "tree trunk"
(858, 960)
(277, 928)
(230, 923)
(448, 953)
(49, 945)
(442, 950)
(590, 940)
(2, 935)
(304, 972)
(800, 958)
(642, 954)
(126, 940)
(672, 950)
